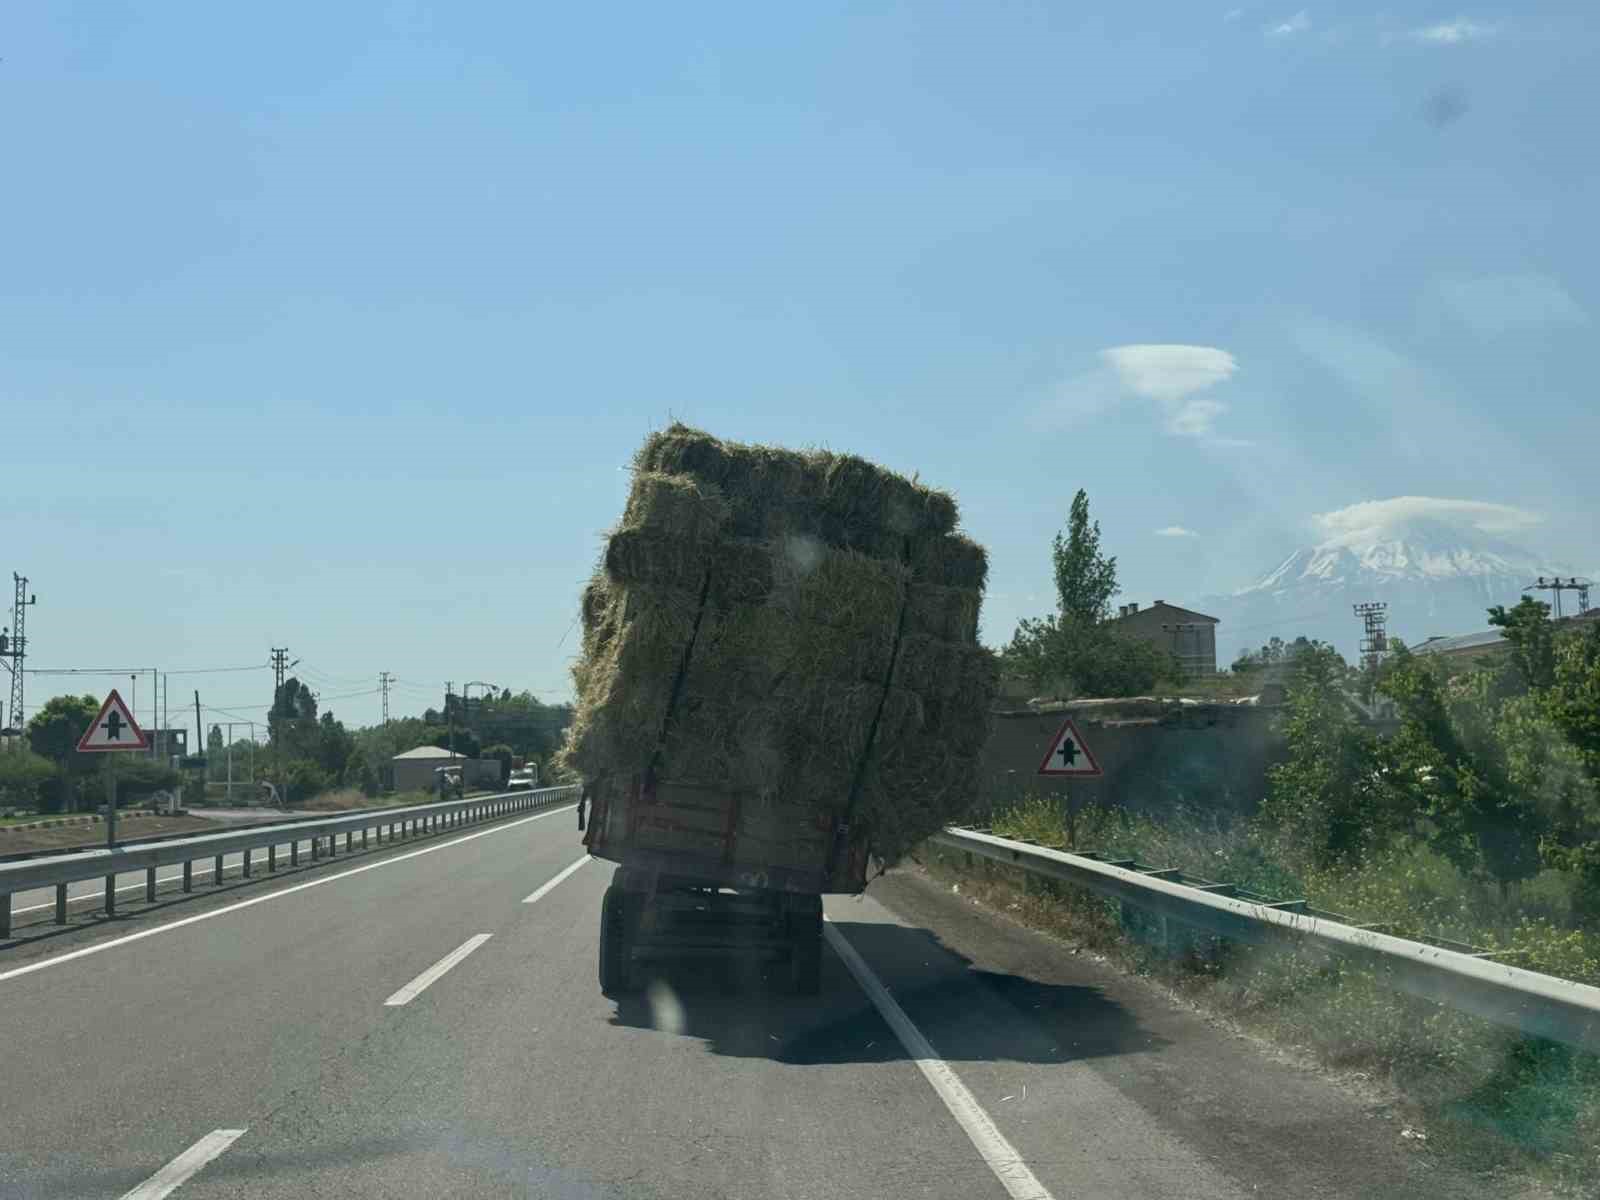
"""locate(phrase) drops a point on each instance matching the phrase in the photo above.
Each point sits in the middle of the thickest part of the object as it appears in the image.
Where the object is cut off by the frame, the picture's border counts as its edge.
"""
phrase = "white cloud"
(1169, 372)
(1176, 531)
(1502, 303)
(1453, 33)
(1299, 23)
(1233, 14)
(1377, 517)
(1171, 375)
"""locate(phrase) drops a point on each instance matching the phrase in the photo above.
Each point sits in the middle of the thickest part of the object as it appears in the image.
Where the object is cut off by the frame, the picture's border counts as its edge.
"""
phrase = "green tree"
(1086, 580)
(24, 778)
(53, 733)
(1481, 815)
(1533, 642)
(1335, 796)
(1074, 647)
(303, 779)
(360, 773)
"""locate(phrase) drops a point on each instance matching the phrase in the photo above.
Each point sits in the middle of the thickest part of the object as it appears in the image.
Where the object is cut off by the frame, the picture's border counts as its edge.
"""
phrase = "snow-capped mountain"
(1438, 578)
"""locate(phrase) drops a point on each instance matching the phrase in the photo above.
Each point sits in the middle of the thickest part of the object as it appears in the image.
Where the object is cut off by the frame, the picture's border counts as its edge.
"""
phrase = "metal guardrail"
(1535, 1004)
(402, 823)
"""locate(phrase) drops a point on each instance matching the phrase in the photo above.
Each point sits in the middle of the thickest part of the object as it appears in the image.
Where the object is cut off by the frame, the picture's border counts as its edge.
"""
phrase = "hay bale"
(948, 560)
(768, 486)
(911, 788)
(680, 506)
(964, 678)
(750, 650)
(799, 579)
(815, 582)
(946, 614)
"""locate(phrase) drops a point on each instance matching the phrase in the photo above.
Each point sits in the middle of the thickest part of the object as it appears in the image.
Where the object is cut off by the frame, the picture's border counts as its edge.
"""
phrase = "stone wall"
(1156, 755)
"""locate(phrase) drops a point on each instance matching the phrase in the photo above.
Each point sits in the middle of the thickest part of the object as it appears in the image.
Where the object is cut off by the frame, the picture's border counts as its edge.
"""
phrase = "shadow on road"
(969, 1014)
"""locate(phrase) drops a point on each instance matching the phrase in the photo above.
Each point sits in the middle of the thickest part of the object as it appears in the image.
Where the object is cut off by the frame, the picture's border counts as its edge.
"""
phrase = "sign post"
(114, 729)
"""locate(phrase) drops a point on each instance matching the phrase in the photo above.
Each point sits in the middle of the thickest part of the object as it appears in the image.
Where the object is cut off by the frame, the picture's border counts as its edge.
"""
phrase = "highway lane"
(509, 1074)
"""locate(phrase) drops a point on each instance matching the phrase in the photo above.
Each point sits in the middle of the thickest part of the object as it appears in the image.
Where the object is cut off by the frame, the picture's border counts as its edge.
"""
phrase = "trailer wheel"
(616, 974)
(805, 947)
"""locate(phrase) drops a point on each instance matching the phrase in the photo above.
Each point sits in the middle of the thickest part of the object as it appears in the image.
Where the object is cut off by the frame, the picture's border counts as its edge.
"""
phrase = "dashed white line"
(545, 889)
(97, 947)
(997, 1152)
(422, 982)
(172, 1176)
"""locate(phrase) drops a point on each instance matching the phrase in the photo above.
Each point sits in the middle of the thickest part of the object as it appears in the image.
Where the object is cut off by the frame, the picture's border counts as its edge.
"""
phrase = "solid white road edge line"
(422, 982)
(997, 1152)
(545, 889)
(70, 955)
(172, 1176)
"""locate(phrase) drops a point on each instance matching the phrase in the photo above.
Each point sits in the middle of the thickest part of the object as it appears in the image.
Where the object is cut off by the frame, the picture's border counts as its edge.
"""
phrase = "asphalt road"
(410, 1024)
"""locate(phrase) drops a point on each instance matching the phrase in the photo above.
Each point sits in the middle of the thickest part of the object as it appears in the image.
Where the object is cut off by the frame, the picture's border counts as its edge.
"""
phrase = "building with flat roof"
(1189, 636)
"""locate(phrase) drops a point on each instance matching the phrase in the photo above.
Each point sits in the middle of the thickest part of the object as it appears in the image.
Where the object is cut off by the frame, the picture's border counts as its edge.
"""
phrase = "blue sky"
(332, 326)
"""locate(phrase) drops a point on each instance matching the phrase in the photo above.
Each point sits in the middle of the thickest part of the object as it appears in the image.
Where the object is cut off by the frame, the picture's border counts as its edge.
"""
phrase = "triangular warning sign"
(1068, 755)
(113, 729)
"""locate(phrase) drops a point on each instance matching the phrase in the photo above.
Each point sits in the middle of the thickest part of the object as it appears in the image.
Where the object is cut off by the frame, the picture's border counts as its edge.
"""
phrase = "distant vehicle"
(523, 778)
(447, 781)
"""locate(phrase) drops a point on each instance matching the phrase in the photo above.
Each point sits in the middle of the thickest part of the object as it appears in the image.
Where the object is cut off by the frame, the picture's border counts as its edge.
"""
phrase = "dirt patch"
(73, 837)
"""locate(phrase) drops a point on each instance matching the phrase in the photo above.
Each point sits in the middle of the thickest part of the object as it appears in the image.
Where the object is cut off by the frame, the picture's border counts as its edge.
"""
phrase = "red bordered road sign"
(113, 729)
(1068, 756)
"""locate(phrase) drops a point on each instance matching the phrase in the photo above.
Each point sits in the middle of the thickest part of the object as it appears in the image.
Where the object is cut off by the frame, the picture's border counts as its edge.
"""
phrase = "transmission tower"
(1559, 585)
(14, 645)
(1375, 642)
(383, 685)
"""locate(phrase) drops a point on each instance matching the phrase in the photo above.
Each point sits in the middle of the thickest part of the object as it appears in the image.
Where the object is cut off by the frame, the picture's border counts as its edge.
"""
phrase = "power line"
(129, 670)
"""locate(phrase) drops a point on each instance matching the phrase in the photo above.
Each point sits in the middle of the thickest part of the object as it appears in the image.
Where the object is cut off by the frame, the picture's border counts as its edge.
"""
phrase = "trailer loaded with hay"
(780, 683)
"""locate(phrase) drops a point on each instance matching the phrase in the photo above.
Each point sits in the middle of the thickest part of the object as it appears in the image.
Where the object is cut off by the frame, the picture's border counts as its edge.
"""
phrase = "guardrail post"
(272, 858)
(294, 853)
(61, 904)
(333, 845)
(349, 841)
(188, 875)
(316, 848)
(111, 895)
(246, 869)
(364, 832)
(5, 914)
(150, 885)
(216, 871)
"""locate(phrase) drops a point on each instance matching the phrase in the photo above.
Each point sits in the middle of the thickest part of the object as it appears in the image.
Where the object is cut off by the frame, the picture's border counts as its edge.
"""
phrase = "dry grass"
(1490, 1099)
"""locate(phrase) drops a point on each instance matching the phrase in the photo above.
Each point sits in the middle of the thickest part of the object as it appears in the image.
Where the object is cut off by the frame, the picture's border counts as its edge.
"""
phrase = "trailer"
(708, 873)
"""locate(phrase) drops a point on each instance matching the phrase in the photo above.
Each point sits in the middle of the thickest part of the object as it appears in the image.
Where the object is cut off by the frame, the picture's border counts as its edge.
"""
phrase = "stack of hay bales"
(796, 627)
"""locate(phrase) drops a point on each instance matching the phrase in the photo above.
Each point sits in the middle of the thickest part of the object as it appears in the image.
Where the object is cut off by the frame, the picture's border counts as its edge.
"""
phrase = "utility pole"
(383, 684)
(1558, 585)
(1375, 643)
(280, 666)
(450, 718)
(15, 645)
(200, 732)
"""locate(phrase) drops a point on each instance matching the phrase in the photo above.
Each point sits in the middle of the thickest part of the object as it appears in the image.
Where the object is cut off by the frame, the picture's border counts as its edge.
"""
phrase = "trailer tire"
(616, 948)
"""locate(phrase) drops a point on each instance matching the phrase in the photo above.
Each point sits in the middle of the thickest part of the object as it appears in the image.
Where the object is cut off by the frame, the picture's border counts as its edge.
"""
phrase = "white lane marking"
(58, 959)
(172, 1176)
(422, 982)
(545, 889)
(1000, 1154)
